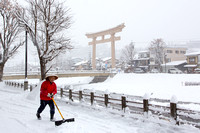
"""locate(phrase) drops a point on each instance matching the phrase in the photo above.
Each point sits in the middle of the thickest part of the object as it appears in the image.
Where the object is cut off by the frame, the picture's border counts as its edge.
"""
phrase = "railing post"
(22, 85)
(146, 102)
(25, 84)
(31, 87)
(80, 95)
(145, 105)
(61, 92)
(70, 94)
(92, 97)
(106, 100)
(173, 108)
(123, 103)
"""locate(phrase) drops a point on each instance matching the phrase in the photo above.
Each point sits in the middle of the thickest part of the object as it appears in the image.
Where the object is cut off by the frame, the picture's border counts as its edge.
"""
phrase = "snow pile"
(34, 95)
(62, 82)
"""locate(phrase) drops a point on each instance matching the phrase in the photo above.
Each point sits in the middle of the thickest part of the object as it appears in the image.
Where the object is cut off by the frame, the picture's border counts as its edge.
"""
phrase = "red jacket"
(46, 88)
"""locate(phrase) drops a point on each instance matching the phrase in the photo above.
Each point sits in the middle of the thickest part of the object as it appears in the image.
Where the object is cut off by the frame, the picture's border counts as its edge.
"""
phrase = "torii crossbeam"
(112, 39)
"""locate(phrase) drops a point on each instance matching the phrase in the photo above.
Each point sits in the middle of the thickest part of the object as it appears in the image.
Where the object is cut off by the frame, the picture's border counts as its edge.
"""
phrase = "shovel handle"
(58, 108)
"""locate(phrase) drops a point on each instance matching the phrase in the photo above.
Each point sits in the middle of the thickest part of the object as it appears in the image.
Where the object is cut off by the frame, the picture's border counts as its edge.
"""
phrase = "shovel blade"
(58, 123)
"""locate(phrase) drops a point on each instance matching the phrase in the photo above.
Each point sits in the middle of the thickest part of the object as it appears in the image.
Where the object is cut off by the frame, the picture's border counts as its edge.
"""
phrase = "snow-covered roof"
(80, 63)
(145, 51)
(190, 65)
(142, 59)
(193, 53)
(107, 58)
(175, 63)
(136, 56)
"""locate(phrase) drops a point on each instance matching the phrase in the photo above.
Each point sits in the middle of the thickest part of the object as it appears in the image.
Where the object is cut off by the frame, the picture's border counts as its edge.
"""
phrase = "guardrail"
(75, 74)
(128, 103)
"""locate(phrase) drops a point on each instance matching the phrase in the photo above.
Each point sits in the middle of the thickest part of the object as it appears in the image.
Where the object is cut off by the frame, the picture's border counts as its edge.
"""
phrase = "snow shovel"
(58, 123)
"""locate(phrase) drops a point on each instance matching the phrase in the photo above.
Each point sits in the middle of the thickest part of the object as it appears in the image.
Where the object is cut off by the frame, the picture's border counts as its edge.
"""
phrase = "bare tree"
(47, 23)
(128, 54)
(156, 49)
(9, 32)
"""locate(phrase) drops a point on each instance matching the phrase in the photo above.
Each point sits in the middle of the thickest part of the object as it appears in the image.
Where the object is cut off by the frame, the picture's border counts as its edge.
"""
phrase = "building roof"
(190, 66)
(193, 53)
(106, 59)
(175, 63)
(80, 63)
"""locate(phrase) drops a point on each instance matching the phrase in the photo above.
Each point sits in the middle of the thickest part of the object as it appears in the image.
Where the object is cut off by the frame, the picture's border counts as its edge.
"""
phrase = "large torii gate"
(112, 39)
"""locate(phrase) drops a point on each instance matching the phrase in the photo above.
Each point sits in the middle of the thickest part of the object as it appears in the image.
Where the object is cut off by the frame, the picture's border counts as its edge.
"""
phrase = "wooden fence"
(134, 104)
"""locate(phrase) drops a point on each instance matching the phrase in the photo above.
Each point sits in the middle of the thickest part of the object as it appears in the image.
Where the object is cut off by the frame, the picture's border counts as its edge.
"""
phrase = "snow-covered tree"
(128, 54)
(9, 32)
(47, 24)
(156, 49)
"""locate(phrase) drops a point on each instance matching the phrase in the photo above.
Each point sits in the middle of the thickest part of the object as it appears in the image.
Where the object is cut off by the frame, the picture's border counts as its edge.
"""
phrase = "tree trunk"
(42, 68)
(1, 71)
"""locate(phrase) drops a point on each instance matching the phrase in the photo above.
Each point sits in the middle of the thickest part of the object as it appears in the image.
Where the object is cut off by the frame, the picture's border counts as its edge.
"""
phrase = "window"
(177, 52)
(192, 60)
(182, 52)
(169, 51)
(168, 60)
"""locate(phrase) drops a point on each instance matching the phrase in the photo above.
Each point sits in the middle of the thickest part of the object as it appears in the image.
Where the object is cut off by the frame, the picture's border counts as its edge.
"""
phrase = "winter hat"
(51, 75)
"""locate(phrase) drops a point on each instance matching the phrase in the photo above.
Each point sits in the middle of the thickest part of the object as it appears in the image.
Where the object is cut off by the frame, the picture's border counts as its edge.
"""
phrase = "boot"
(38, 116)
(52, 117)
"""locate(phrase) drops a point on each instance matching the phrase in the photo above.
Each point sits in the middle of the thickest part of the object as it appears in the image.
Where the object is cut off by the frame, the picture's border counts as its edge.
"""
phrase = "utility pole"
(26, 80)
(165, 62)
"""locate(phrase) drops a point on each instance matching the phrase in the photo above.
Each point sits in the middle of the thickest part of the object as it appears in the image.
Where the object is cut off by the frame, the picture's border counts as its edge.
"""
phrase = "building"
(142, 60)
(174, 64)
(82, 65)
(193, 61)
(169, 54)
(174, 54)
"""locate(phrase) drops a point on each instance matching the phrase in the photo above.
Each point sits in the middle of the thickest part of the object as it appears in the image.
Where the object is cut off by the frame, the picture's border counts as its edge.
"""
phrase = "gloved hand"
(50, 95)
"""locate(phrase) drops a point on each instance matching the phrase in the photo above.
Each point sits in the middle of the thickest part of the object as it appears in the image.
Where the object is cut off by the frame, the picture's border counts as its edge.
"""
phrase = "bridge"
(36, 75)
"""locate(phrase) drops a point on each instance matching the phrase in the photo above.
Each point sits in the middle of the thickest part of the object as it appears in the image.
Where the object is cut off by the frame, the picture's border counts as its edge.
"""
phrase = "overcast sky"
(176, 21)
(173, 20)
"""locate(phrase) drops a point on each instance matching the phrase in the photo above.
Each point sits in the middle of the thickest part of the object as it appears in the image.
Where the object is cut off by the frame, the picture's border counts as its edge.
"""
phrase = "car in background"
(197, 70)
(174, 71)
(139, 70)
(154, 71)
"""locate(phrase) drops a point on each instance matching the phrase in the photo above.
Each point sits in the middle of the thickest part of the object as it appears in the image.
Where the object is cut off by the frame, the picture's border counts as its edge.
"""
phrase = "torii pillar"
(112, 39)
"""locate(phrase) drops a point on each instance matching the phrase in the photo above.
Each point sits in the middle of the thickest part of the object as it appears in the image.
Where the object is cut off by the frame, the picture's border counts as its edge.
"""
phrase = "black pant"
(43, 104)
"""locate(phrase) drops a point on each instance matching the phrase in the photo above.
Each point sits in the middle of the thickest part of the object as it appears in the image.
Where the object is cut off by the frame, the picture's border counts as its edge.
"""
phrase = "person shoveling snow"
(47, 91)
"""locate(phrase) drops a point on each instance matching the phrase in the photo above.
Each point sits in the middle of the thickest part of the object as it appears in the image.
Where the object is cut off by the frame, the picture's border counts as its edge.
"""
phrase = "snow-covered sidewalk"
(17, 113)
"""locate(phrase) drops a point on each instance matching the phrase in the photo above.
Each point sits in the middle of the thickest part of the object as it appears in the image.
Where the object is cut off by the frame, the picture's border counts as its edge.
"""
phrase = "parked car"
(174, 71)
(197, 70)
(128, 70)
(139, 70)
(154, 71)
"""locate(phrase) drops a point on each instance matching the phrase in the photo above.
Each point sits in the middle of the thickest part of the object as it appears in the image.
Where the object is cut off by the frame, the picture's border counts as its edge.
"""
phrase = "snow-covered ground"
(18, 108)
(17, 113)
(162, 86)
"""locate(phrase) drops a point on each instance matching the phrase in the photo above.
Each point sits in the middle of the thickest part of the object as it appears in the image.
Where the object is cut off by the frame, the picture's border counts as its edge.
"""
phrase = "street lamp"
(26, 80)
